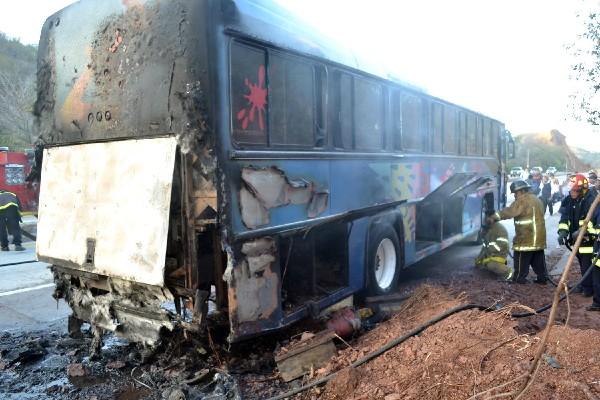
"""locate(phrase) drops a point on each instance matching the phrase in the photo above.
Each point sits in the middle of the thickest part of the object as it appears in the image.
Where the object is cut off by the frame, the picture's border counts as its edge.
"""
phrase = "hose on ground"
(383, 349)
(562, 296)
(18, 263)
(418, 330)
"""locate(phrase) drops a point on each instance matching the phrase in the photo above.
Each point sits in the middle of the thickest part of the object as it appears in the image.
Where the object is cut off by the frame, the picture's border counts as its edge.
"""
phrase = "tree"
(17, 95)
(586, 102)
(17, 92)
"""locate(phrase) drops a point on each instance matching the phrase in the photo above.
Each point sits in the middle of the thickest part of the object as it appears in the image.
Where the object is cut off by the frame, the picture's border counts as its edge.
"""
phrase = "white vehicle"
(516, 172)
(551, 170)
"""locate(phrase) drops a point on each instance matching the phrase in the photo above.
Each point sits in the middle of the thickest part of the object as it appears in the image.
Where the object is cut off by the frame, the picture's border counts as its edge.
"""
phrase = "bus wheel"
(384, 260)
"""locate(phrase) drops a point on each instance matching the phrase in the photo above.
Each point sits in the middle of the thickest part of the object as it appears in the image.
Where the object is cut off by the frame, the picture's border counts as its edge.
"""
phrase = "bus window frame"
(380, 86)
(318, 134)
(421, 120)
(453, 110)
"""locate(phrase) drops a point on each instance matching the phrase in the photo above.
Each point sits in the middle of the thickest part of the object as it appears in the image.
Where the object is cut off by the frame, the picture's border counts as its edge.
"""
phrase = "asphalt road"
(26, 301)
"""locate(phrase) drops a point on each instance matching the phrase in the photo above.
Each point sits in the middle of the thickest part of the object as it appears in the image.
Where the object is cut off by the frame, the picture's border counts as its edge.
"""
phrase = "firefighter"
(10, 216)
(596, 269)
(574, 210)
(494, 249)
(530, 233)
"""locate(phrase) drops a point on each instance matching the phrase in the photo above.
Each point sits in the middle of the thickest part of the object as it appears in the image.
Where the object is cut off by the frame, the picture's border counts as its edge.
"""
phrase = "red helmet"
(578, 183)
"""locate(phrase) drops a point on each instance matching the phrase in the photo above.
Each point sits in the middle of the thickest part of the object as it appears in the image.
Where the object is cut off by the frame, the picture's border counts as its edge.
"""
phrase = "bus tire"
(384, 260)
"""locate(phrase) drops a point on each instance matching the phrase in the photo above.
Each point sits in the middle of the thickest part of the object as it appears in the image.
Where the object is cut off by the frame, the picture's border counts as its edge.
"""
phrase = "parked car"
(551, 170)
(539, 170)
(516, 172)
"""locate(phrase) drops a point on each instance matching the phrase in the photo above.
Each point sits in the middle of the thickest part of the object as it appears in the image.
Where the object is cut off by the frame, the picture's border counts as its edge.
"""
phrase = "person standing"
(530, 233)
(10, 216)
(494, 249)
(546, 196)
(574, 210)
(593, 182)
(556, 190)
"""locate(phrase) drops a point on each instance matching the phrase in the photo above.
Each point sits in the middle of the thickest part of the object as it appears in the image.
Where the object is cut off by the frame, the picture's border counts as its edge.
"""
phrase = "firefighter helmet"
(518, 185)
(578, 183)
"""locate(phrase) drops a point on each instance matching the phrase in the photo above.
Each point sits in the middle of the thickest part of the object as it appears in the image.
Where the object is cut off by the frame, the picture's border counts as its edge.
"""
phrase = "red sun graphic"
(257, 101)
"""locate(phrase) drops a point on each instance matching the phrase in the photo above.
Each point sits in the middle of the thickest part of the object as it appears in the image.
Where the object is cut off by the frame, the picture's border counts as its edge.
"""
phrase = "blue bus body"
(295, 161)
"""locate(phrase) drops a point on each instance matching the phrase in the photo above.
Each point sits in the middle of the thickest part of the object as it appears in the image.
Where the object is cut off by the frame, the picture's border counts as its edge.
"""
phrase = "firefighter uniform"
(494, 251)
(530, 234)
(596, 271)
(573, 215)
(10, 216)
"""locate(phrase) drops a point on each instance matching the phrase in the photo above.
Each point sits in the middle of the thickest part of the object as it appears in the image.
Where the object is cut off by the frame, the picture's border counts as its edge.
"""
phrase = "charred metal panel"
(113, 69)
(130, 310)
(115, 195)
(266, 188)
(254, 292)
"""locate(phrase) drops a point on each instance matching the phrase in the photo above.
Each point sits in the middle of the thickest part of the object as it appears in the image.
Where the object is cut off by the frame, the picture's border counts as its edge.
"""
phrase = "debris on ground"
(309, 353)
(471, 353)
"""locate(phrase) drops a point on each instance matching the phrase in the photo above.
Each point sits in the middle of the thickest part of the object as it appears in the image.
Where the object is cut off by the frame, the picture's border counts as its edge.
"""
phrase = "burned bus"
(221, 151)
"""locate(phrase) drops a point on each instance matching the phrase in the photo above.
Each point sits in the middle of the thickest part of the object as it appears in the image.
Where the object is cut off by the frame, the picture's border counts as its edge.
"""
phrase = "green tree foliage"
(17, 92)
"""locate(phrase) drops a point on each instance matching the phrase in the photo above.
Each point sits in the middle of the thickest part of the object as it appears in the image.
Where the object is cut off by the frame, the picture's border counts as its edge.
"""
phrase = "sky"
(504, 58)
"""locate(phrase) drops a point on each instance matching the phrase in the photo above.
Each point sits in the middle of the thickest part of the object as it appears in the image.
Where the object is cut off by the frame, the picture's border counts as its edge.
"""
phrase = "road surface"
(26, 301)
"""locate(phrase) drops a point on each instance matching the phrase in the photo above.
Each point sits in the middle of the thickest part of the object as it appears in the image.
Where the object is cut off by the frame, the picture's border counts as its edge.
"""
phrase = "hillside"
(589, 157)
(547, 149)
(17, 92)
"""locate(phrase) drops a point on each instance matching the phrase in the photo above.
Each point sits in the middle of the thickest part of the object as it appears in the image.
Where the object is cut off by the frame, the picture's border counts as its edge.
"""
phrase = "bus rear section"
(128, 199)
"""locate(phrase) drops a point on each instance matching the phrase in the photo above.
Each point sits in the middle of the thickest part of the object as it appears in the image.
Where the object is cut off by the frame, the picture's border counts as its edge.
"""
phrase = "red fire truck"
(14, 168)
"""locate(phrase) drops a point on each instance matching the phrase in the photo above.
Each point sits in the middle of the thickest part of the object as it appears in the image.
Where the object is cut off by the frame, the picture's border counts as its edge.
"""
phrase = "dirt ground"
(473, 351)
(458, 358)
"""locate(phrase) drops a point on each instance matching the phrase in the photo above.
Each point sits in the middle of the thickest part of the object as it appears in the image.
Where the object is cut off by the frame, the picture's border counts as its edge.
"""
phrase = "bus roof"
(267, 21)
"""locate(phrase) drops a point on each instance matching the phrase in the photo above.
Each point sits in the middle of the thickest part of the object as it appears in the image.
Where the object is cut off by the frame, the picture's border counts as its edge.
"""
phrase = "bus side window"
(495, 139)
(462, 133)
(292, 101)
(450, 136)
(368, 115)
(472, 137)
(436, 127)
(342, 110)
(487, 137)
(411, 117)
(248, 93)
(321, 105)
(396, 121)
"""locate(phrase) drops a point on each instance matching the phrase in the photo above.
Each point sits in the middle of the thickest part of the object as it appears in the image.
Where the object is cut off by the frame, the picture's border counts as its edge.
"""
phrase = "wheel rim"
(385, 263)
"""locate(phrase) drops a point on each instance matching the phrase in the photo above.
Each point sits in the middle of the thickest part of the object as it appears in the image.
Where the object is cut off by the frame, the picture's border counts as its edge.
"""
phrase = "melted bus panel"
(109, 216)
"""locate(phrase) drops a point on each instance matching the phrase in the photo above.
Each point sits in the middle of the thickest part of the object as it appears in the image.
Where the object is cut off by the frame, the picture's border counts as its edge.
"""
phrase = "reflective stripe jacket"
(573, 213)
(495, 244)
(8, 199)
(530, 227)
